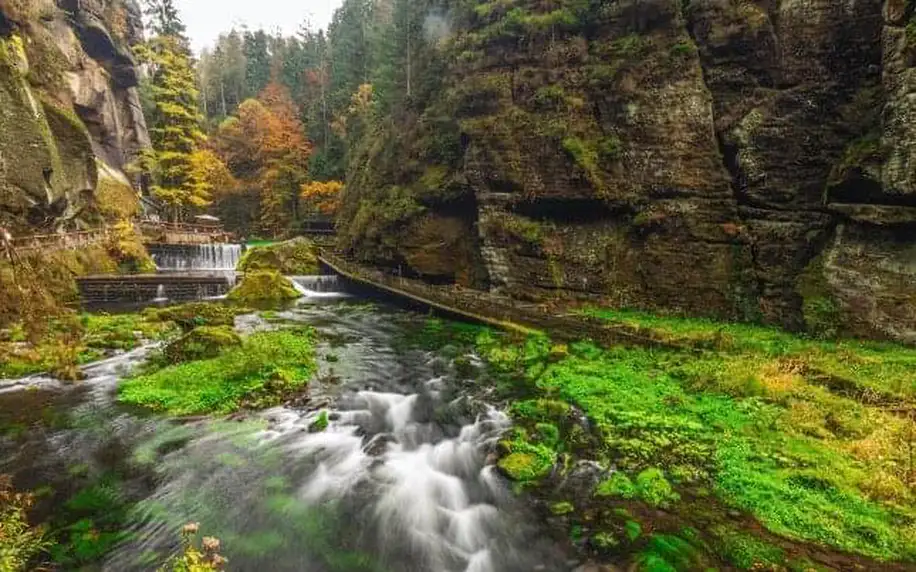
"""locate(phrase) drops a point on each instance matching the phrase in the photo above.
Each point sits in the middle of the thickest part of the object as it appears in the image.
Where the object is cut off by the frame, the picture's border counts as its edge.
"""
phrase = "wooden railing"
(60, 241)
(182, 232)
(149, 231)
(494, 309)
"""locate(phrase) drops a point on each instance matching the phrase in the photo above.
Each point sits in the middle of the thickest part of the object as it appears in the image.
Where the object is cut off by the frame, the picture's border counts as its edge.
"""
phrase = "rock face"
(744, 159)
(70, 111)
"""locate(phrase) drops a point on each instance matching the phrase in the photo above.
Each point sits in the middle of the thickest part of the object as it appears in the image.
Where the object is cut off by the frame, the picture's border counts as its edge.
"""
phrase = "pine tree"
(163, 19)
(174, 118)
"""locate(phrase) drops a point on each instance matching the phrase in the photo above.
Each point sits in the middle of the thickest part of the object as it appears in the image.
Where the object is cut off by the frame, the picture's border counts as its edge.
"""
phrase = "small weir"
(187, 272)
(195, 257)
(324, 286)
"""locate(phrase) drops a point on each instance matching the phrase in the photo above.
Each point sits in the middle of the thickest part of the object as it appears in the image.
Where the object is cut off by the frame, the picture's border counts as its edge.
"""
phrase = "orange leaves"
(284, 133)
(323, 197)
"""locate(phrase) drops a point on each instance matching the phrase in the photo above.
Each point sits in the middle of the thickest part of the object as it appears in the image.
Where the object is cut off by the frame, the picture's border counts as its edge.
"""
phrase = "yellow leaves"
(323, 197)
(209, 175)
(361, 101)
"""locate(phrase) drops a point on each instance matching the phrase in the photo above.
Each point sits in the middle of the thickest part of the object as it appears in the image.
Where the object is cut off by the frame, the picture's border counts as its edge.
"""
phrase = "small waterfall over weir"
(324, 286)
(196, 257)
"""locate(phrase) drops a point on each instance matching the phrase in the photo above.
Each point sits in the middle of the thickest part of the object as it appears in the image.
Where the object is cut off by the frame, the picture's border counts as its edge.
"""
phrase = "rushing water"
(399, 480)
(196, 257)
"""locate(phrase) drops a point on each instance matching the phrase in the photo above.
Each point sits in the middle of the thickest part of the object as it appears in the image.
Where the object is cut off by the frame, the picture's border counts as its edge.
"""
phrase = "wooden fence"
(60, 241)
(158, 232)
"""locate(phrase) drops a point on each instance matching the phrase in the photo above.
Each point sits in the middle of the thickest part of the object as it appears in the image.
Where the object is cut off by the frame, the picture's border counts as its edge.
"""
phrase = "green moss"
(114, 200)
(562, 508)
(320, 424)
(618, 485)
(203, 342)
(517, 226)
(526, 462)
(525, 467)
(195, 314)
(747, 552)
(859, 155)
(683, 49)
(823, 316)
(259, 373)
(741, 422)
(629, 46)
(670, 553)
(263, 287)
(297, 257)
(650, 486)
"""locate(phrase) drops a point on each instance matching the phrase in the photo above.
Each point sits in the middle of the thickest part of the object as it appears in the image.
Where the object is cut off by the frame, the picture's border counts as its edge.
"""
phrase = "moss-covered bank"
(749, 448)
(262, 371)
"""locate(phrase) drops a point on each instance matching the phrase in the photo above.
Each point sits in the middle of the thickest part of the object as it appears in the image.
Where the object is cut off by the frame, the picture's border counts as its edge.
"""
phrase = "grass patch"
(753, 422)
(878, 368)
(259, 373)
(71, 342)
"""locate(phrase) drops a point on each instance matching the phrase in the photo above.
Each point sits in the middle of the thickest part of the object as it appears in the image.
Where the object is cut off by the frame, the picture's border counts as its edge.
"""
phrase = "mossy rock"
(196, 314)
(295, 257)
(263, 287)
(202, 343)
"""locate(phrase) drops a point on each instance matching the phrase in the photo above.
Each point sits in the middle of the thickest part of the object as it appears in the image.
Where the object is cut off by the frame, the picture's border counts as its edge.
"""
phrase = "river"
(398, 481)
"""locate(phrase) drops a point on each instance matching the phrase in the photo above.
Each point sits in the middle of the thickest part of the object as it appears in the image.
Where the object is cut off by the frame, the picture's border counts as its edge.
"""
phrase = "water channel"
(401, 479)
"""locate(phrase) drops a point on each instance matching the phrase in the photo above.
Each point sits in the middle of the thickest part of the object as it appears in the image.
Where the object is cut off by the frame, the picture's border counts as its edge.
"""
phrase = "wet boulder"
(263, 287)
(295, 257)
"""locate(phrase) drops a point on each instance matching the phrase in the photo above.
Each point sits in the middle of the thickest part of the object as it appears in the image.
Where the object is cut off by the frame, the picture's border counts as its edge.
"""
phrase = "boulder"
(295, 257)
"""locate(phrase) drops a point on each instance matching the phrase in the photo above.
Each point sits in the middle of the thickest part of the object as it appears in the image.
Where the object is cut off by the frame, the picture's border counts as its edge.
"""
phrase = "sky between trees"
(206, 19)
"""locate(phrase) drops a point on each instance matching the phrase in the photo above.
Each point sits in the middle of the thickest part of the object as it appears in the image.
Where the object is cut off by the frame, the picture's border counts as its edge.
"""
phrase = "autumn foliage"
(266, 148)
(322, 197)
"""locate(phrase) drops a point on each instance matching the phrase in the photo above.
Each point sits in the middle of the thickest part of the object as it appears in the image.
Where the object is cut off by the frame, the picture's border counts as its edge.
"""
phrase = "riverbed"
(400, 478)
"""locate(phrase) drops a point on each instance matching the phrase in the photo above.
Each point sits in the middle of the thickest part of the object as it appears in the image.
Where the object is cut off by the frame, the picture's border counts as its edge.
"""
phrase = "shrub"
(204, 558)
(19, 542)
(194, 314)
(202, 343)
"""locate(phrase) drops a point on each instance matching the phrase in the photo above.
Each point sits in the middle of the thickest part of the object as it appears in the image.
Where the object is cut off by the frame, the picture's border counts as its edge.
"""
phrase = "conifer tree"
(175, 124)
(163, 18)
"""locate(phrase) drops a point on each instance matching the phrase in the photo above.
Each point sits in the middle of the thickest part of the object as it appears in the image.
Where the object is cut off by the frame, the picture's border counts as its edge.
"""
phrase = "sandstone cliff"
(70, 114)
(745, 159)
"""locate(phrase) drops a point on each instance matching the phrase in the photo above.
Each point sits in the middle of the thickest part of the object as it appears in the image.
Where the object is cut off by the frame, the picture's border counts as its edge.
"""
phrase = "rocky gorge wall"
(742, 159)
(70, 113)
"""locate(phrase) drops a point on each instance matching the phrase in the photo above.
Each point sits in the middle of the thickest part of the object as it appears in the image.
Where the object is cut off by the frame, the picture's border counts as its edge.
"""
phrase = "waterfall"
(196, 257)
(325, 286)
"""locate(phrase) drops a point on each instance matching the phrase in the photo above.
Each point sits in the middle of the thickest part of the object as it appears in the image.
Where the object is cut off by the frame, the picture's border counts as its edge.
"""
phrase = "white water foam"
(422, 488)
(324, 286)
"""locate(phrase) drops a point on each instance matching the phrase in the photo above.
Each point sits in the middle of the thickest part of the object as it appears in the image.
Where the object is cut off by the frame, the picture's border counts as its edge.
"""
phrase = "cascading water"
(398, 480)
(324, 286)
(196, 257)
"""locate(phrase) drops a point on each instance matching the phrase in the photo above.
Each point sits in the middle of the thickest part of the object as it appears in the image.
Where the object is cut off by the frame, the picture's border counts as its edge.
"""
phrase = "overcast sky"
(206, 19)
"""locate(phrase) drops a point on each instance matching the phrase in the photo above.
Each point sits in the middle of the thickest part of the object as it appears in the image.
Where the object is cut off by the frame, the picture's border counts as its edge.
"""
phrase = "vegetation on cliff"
(261, 372)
